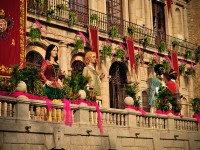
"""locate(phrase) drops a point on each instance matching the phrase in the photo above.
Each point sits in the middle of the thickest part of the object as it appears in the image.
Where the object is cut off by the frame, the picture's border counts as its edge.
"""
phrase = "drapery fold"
(130, 47)
(12, 35)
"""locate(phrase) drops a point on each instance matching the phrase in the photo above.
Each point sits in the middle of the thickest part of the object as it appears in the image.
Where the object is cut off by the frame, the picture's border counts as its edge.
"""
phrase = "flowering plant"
(195, 102)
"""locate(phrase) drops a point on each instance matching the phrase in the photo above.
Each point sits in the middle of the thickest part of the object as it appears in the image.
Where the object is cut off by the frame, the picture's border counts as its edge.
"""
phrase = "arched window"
(178, 20)
(34, 59)
(145, 103)
(117, 85)
(77, 66)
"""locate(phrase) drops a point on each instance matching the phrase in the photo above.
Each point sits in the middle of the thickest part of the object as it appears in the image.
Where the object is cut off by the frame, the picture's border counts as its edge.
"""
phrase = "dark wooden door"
(81, 9)
(159, 20)
(117, 85)
(114, 14)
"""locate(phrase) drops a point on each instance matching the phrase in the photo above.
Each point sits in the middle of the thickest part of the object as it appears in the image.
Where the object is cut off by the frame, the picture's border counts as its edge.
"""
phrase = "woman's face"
(54, 52)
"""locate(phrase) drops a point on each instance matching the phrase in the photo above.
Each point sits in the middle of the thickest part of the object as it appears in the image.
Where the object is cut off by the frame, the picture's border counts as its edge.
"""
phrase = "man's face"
(93, 58)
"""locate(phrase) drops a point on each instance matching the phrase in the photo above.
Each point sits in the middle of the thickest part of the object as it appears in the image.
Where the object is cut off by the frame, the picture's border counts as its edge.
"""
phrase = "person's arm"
(42, 77)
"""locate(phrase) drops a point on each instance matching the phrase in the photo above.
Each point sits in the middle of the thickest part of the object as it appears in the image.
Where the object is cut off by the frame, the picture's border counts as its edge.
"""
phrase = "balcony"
(104, 23)
(29, 120)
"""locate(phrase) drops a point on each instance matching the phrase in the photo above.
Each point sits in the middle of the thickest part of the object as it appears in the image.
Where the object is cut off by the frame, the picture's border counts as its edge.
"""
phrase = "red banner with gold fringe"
(174, 60)
(12, 35)
(94, 41)
(130, 47)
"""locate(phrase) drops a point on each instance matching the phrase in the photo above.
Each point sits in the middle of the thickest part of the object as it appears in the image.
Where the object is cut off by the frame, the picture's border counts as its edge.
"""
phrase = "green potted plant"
(175, 44)
(182, 69)
(137, 59)
(72, 18)
(35, 34)
(39, 2)
(131, 30)
(78, 44)
(198, 57)
(166, 65)
(106, 51)
(73, 84)
(60, 7)
(163, 100)
(188, 54)
(120, 53)
(153, 63)
(132, 90)
(192, 72)
(162, 46)
(195, 103)
(113, 31)
(146, 41)
(93, 19)
(50, 13)
(30, 76)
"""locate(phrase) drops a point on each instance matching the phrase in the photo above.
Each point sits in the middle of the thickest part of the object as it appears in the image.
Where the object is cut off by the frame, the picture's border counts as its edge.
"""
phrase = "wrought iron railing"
(105, 22)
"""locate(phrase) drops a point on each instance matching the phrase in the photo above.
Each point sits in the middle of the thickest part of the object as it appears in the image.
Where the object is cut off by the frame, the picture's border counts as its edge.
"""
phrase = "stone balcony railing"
(22, 115)
(36, 110)
(105, 21)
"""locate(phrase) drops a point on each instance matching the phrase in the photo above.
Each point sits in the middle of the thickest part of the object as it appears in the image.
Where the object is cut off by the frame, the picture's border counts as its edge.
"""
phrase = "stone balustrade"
(36, 110)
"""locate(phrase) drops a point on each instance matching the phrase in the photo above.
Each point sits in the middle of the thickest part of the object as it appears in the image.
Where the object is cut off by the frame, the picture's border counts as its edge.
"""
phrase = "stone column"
(190, 87)
(62, 55)
(132, 11)
(174, 25)
(185, 23)
(125, 10)
(22, 108)
(147, 14)
(105, 92)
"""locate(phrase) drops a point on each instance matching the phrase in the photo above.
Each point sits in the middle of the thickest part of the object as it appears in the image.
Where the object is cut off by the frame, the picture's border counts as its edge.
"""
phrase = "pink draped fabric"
(68, 112)
(85, 40)
(197, 116)
(143, 112)
(163, 112)
(99, 119)
(156, 57)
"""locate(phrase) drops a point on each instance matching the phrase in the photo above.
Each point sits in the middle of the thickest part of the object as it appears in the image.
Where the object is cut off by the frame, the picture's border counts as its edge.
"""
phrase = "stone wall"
(194, 36)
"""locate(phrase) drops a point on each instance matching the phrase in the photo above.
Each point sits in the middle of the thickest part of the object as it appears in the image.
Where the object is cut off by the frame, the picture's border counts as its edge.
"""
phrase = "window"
(34, 59)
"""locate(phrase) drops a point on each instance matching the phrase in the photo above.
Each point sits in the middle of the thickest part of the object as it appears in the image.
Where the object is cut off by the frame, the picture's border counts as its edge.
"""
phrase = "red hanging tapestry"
(12, 35)
(169, 5)
(94, 41)
(174, 60)
(130, 47)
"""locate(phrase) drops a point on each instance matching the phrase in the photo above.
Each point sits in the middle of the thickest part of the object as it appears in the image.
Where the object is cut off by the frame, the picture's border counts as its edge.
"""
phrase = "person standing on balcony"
(51, 74)
(90, 72)
(155, 84)
(173, 87)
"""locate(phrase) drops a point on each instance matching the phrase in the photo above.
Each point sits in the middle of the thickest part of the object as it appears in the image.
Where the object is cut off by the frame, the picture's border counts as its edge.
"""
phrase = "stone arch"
(33, 58)
(117, 84)
(145, 103)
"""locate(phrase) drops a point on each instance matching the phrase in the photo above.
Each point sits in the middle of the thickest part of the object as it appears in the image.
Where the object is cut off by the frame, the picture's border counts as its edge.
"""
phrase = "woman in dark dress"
(50, 74)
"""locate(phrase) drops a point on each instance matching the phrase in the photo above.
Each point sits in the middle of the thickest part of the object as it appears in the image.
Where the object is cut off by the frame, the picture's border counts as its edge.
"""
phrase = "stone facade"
(194, 36)
(134, 11)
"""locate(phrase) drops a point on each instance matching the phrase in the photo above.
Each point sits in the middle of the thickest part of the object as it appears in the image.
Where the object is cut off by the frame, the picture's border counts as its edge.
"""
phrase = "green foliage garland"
(72, 18)
(120, 53)
(162, 46)
(182, 69)
(35, 34)
(78, 44)
(93, 19)
(195, 102)
(175, 43)
(146, 41)
(73, 84)
(50, 13)
(113, 31)
(188, 54)
(131, 30)
(106, 51)
(166, 65)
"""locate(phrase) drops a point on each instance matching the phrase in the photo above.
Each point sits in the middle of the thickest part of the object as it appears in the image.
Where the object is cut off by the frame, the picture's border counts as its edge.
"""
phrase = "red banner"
(130, 47)
(168, 5)
(174, 60)
(94, 41)
(12, 34)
